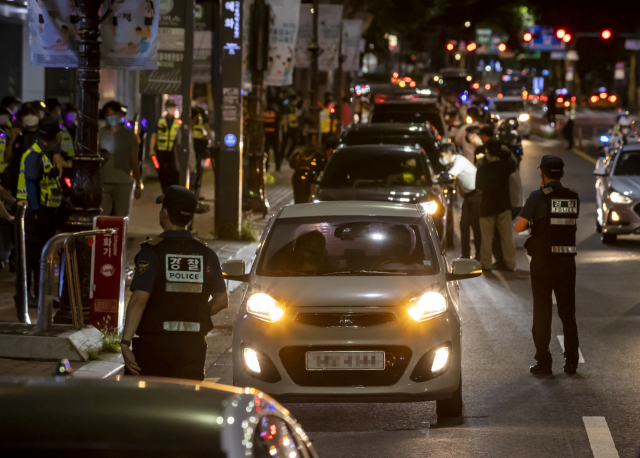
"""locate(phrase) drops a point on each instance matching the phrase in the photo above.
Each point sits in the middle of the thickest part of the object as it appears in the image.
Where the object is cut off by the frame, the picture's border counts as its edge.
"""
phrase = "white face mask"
(625, 130)
(30, 120)
(444, 161)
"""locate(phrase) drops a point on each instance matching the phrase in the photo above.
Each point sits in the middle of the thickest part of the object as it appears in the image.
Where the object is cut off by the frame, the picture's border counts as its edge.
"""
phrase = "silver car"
(618, 193)
(512, 107)
(351, 301)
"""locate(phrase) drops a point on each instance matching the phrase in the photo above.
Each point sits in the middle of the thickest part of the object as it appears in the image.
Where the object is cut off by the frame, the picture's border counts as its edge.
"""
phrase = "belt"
(179, 326)
(563, 221)
(563, 249)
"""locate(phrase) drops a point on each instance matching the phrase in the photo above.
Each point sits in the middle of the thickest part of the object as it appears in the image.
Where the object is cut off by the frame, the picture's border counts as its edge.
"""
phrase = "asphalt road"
(507, 411)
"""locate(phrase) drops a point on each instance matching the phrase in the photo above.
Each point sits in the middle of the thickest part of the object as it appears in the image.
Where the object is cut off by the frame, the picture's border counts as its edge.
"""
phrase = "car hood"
(626, 184)
(508, 114)
(357, 291)
(400, 194)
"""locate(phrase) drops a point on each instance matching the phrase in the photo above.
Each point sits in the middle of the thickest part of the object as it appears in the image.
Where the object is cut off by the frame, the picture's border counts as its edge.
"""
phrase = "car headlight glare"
(251, 359)
(264, 307)
(430, 207)
(428, 306)
(618, 198)
(440, 359)
(523, 117)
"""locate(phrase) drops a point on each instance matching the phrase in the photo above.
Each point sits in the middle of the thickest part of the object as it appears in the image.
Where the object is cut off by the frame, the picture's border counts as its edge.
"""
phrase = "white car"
(512, 107)
(351, 301)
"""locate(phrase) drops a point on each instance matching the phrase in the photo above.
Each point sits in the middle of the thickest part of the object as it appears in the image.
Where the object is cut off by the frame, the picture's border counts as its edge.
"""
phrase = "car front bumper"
(403, 340)
(629, 218)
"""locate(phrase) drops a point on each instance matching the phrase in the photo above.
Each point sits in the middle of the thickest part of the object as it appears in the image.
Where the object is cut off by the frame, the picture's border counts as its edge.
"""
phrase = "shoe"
(570, 368)
(540, 369)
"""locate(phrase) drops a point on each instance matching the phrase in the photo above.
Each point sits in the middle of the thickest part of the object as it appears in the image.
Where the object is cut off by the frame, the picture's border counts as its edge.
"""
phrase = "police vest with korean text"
(179, 302)
(50, 192)
(555, 234)
(166, 137)
(67, 144)
(3, 147)
(198, 129)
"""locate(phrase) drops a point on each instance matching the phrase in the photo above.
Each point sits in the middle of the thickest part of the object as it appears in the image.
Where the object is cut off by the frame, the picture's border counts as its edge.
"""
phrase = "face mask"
(4, 120)
(625, 130)
(443, 160)
(114, 120)
(30, 120)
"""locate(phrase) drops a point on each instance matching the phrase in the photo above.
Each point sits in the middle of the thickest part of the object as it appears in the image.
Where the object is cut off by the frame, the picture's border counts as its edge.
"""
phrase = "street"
(508, 411)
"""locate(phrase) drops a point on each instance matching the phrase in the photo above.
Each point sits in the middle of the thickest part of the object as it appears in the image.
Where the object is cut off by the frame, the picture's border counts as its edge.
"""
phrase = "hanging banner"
(129, 33)
(247, 6)
(283, 30)
(351, 30)
(329, 22)
(202, 42)
(305, 28)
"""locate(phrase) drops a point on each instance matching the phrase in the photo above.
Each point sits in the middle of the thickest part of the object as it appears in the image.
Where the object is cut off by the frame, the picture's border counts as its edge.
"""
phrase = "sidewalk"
(144, 224)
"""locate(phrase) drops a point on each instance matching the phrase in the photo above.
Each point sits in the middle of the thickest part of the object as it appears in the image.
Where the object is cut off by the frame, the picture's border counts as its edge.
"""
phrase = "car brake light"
(379, 98)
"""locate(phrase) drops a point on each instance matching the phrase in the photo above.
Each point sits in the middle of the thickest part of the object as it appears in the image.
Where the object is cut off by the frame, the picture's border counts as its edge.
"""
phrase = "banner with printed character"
(283, 30)
(329, 21)
(129, 33)
(305, 27)
(351, 31)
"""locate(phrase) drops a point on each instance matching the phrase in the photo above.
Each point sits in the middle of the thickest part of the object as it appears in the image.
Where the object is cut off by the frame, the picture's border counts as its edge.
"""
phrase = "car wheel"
(609, 239)
(447, 408)
(598, 225)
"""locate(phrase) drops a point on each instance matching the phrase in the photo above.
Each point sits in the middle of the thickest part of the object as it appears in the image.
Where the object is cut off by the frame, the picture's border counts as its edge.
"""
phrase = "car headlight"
(428, 306)
(430, 207)
(618, 198)
(469, 120)
(524, 117)
(265, 307)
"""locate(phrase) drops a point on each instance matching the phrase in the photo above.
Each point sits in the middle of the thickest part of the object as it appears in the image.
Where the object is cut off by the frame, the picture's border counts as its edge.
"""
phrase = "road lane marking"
(600, 439)
(580, 358)
(584, 156)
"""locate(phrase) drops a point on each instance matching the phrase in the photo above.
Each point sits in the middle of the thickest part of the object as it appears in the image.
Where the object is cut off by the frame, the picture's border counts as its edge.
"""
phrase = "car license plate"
(345, 360)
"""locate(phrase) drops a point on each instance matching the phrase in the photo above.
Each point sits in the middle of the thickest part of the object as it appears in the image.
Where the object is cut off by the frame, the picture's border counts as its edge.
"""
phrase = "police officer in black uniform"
(177, 287)
(552, 213)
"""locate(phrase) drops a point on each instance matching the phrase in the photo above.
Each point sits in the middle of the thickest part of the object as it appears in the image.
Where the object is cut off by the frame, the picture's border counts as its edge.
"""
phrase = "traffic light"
(560, 33)
(566, 37)
(502, 47)
(450, 46)
(527, 37)
(472, 47)
(606, 34)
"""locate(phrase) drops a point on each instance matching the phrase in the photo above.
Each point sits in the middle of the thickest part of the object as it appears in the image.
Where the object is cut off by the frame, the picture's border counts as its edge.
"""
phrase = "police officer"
(552, 213)
(170, 309)
(162, 144)
(38, 184)
(201, 137)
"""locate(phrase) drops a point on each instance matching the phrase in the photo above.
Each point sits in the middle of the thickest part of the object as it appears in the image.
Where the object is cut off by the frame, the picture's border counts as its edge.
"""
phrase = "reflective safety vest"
(179, 301)
(166, 138)
(67, 145)
(292, 118)
(555, 234)
(269, 121)
(50, 192)
(198, 129)
(325, 121)
(3, 148)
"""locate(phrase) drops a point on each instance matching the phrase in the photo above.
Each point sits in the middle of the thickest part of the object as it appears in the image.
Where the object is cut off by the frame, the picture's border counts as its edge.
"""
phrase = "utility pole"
(86, 193)
(187, 72)
(313, 133)
(258, 55)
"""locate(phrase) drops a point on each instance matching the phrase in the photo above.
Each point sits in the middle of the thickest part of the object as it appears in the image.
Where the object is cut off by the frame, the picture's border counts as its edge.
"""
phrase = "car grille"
(294, 361)
(330, 320)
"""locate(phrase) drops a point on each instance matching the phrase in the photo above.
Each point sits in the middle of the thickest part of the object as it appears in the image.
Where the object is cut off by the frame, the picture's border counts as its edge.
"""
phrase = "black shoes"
(570, 368)
(540, 369)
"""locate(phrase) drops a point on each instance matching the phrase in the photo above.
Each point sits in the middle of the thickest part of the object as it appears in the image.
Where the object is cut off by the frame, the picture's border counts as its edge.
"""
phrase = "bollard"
(22, 294)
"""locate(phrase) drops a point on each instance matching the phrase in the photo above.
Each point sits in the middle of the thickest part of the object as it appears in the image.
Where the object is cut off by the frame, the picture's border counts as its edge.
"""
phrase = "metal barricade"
(22, 294)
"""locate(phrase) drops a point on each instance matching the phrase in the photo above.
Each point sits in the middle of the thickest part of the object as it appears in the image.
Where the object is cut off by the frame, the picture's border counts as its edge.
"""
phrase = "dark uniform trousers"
(167, 171)
(470, 218)
(554, 274)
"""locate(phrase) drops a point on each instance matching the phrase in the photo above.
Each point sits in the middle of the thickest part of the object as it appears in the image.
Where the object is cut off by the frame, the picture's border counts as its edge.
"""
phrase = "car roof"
(351, 208)
(149, 413)
(376, 149)
(508, 98)
(632, 146)
(389, 127)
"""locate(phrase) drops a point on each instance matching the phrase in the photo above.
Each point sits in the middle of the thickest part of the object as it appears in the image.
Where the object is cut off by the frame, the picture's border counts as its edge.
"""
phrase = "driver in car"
(397, 248)
(309, 252)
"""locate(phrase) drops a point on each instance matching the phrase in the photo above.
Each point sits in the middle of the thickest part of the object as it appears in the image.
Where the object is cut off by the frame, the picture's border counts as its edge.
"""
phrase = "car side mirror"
(233, 269)
(464, 268)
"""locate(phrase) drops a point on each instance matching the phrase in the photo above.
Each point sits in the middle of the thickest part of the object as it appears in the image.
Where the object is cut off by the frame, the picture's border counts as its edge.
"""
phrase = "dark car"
(418, 111)
(144, 418)
(395, 133)
(386, 173)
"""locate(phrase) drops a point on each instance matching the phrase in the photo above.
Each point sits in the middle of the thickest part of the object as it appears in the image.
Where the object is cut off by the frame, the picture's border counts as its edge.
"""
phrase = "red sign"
(108, 260)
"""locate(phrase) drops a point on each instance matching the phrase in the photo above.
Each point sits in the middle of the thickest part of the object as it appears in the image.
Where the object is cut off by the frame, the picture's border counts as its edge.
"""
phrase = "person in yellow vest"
(38, 184)
(291, 132)
(162, 146)
(201, 137)
(67, 147)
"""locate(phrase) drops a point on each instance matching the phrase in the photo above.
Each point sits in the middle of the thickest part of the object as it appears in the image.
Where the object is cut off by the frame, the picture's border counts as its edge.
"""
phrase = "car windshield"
(628, 164)
(367, 170)
(348, 245)
(404, 115)
(508, 106)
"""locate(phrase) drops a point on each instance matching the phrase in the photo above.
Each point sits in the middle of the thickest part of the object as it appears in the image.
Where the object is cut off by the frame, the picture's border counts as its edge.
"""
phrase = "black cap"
(48, 127)
(551, 166)
(178, 200)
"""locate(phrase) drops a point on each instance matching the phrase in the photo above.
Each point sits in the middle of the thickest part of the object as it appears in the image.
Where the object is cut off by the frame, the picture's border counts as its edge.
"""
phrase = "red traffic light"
(472, 47)
(566, 37)
(527, 37)
(450, 46)
(502, 47)
(474, 85)
(560, 33)
(606, 34)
